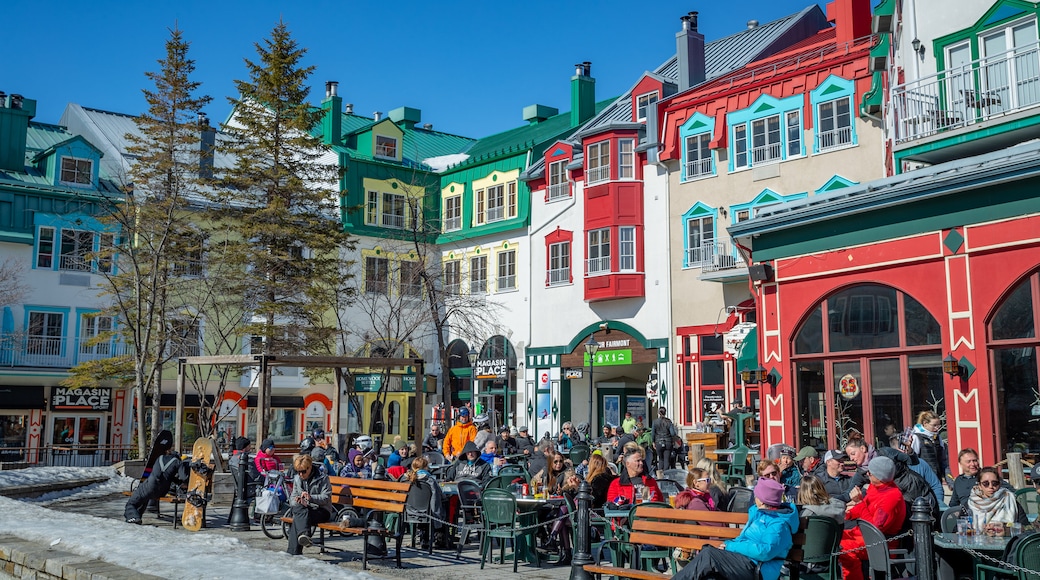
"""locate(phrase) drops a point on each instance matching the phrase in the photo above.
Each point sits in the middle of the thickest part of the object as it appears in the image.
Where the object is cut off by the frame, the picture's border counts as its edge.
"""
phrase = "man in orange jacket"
(882, 506)
(460, 433)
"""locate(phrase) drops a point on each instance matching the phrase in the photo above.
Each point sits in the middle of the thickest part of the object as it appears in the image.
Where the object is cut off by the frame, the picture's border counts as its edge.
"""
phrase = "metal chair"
(579, 453)
(515, 470)
(740, 499)
(1029, 498)
(499, 482)
(669, 487)
(469, 512)
(677, 475)
(498, 508)
(879, 559)
(822, 540)
(435, 457)
(948, 522)
(1024, 552)
(417, 511)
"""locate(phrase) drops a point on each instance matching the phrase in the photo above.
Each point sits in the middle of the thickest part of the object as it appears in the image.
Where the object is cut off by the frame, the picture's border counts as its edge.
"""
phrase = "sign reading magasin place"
(93, 399)
(491, 368)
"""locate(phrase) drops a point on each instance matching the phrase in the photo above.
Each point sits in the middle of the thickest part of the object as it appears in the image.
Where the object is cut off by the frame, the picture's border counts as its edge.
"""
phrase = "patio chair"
(948, 523)
(669, 487)
(740, 499)
(1029, 497)
(579, 453)
(498, 508)
(677, 475)
(515, 470)
(822, 540)
(879, 559)
(417, 511)
(469, 512)
(1023, 552)
(500, 482)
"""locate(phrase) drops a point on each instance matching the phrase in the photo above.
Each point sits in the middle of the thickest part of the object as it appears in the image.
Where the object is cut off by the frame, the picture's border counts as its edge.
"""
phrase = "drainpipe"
(911, 12)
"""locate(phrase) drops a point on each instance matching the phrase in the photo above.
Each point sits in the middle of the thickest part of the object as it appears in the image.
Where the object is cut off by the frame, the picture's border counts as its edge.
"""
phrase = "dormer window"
(76, 171)
(644, 102)
(386, 146)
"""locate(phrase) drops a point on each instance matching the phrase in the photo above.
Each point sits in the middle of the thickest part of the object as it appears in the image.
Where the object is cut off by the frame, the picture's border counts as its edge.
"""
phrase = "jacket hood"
(898, 457)
(351, 455)
(786, 514)
(469, 446)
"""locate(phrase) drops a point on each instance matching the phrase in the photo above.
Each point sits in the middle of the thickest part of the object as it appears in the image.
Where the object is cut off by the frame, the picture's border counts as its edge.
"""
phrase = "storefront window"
(393, 418)
(12, 437)
(812, 401)
(1014, 344)
(810, 338)
(861, 318)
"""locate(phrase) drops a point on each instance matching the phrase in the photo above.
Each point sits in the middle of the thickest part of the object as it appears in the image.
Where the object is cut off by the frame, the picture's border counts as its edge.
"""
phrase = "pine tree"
(282, 197)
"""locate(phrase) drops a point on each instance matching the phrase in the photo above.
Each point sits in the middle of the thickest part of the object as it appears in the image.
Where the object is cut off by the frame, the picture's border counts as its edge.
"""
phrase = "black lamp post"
(239, 518)
(472, 356)
(591, 347)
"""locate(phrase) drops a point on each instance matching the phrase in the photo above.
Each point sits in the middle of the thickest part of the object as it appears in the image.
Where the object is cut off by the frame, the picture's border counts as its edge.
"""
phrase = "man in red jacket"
(882, 506)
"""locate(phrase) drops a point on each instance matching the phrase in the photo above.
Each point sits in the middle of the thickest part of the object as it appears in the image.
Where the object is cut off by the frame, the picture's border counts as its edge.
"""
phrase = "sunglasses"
(989, 483)
(557, 463)
(705, 479)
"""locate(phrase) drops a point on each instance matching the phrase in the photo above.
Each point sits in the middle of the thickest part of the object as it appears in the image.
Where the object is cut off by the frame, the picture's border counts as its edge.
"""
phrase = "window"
(559, 185)
(393, 210)
(741, 216)
(45, 333)
(626, 159)
(188, 256)
(794, 134)
(740, 146)
(185, 337)
(700, 240)
(376, 275)
(559, 263)
(835, 124)
(480, 215)
(76, 245)
(511, 199)
(76, 171)
(507, 270)
(698, 155)
(495, 203)
(644, 102)
(372, 208)
(106, 253)
(453, 213)
(478, 275)
(411, 281)
(765, 139)
(598, 162)
(452, 276)
(627, 249)
(599, 252)
(91, 327)
(386, 146)
(45, 248)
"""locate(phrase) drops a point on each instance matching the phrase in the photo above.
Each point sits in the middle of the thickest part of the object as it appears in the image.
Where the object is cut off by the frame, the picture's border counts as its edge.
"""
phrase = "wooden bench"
(686, 529)
(365, 495)
(170, 498)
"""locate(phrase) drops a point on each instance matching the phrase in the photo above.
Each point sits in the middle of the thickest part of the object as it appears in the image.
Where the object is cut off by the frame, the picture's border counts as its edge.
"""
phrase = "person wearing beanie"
(524, 442)
(761, 546)
(265, 461)
(506, 442)
(461, 432)
(881, 505)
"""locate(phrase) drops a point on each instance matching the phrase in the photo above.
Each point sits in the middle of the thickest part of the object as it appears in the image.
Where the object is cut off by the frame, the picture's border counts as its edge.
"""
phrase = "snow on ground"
(159, 551)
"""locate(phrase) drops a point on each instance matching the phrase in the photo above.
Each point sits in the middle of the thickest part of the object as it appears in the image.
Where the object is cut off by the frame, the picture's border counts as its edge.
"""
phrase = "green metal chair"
(1025, 553)
(647, 555)
(500, 482)
(948, 523)
(498, 508)
(515, 471)
(822, 539)
(579, 453)
(1029, 497)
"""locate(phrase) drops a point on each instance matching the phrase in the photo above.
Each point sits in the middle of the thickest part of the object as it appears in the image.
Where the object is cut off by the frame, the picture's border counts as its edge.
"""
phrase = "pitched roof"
(41, 137)
(419, 143)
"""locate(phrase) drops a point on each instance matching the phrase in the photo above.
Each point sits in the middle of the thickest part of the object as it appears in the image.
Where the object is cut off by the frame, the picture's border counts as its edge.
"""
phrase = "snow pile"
(41, 475)
(443, 162)
(158, 551)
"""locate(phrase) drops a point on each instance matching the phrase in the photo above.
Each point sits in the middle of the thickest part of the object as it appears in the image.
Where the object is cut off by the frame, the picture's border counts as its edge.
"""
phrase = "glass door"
(847, 393)
(75, 439)
(886, 392)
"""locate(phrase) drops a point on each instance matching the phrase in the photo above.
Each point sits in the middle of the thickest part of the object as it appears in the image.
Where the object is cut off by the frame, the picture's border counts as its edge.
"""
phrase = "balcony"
(957, 99)
(766, 153)
(19, 350)
(559, 190)
(834, 139)
(452, 223)
(559, 276)
(698, 168)
(718, 261)
(598, 174)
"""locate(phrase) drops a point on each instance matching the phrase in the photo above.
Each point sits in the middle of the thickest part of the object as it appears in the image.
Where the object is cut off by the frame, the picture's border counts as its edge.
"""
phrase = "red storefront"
(869, 289)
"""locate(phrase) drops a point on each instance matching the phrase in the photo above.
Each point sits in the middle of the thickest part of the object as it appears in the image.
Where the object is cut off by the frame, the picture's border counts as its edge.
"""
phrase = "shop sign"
(494, 368)
(849, 387)
(612, 357)
(371, 383)
(66, 399)
(573, 373)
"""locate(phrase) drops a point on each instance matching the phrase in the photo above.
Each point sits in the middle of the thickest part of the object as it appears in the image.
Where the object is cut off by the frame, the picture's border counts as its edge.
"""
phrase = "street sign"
(611, 357)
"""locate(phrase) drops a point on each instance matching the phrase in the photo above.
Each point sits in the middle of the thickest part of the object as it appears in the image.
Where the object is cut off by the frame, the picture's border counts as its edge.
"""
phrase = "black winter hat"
(241, 443)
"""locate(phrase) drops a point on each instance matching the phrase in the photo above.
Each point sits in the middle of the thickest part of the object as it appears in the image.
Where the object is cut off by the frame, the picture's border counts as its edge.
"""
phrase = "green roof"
(42, 137)
(418, 143)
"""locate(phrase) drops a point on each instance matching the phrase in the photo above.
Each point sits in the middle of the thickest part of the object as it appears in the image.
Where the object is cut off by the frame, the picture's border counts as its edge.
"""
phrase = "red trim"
(325, 401)
(239, 399)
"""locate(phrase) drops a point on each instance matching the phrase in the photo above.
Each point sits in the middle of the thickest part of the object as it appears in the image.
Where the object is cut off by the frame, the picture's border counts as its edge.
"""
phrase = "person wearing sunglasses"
(992, 505)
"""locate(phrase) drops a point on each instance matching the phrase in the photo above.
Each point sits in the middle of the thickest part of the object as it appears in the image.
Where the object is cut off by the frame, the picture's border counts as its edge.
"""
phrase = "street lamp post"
(591, 347)
(472, 356)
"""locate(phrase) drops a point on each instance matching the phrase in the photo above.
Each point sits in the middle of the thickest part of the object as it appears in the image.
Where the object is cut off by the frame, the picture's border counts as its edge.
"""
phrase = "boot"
(565, 557)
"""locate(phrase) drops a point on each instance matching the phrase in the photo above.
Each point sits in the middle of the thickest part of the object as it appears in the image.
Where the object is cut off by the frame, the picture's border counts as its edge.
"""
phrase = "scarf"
(1000, 507)
(920, 430)
(705, 497)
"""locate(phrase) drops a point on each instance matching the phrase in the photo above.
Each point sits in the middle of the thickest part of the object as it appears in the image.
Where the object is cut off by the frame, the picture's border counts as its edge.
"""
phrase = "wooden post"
(1016, 471)
(696, 453)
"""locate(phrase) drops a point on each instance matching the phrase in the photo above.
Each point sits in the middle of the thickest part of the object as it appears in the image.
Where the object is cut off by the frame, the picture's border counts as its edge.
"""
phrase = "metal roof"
(418, 143)
(1011, 164)
(39, 138)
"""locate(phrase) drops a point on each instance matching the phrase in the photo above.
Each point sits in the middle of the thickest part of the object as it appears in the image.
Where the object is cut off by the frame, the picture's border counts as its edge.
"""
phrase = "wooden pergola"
(267, 362)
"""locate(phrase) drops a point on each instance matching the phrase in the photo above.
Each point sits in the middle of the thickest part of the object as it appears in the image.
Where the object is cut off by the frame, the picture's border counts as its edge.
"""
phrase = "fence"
(66, 455)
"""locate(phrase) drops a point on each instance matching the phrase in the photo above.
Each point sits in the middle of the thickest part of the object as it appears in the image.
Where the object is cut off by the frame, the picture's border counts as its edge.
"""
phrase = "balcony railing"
(53, 352)
(713, 257)
(559, 276)
(597, 174)
(698, 168)
(833, 139)
(559, 190)
(766, 153)
(452, 224)
(495, 214)
(393, 221)
(977, 91)
(597, 266)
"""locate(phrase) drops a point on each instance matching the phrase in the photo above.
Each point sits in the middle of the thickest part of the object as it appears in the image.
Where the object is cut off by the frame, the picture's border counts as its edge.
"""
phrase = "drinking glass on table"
(637, 492)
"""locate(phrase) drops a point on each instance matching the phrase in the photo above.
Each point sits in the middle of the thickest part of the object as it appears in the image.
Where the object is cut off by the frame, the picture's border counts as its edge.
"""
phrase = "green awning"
(879, 54)
(747, 358)
(462, 372)
(872, 99)
(883, 17)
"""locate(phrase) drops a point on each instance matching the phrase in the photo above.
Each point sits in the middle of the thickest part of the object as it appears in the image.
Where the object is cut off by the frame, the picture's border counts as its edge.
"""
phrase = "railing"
(764, 153)
(507, 282)
(977, 91)
(74, 263)
(713, 257)
(478, 286)
(54, 352)
(698, 168)
(495, 214)
(393, 221)
(559, 190)
(66, 455)
(596, 266)
(559, 276)
(832, 139)
(453, 223)
(597, 174)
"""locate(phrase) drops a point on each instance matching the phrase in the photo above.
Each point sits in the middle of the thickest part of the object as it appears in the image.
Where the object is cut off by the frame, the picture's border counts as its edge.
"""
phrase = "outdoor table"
(449, 488)
(951, 550)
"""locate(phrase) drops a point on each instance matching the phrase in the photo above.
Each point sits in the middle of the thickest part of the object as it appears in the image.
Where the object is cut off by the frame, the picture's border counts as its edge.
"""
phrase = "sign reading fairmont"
(96, 399)
(493, 368)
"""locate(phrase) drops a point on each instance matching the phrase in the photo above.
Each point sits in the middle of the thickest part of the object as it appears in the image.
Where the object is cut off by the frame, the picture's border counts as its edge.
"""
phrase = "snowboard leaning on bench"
(200, 483)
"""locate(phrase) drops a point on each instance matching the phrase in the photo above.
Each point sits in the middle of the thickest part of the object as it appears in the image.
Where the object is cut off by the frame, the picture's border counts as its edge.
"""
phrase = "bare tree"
(12, 286)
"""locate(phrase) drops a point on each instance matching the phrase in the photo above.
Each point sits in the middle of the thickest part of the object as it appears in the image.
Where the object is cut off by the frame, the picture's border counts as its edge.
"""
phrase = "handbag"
(267, 502)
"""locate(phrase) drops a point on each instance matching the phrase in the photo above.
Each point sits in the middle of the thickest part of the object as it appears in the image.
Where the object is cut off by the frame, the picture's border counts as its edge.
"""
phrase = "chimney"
(535, 114)
(583, 94)
(207, 143)
(349, 109)
(405, 116)
(851, 19)
(378, 115)
(751, 24)
(428, 126)
(689, 50)
(332, 115)
(15, 113)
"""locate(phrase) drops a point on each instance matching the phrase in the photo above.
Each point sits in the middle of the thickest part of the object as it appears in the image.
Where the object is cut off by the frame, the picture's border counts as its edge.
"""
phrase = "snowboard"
(200, 483)
(163, 441)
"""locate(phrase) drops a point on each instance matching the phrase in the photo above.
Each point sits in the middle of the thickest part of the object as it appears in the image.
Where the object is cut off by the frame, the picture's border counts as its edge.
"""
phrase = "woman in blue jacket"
(759, 549)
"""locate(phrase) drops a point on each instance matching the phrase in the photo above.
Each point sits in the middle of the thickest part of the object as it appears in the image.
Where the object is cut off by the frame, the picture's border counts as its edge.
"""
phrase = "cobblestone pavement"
(416, 565)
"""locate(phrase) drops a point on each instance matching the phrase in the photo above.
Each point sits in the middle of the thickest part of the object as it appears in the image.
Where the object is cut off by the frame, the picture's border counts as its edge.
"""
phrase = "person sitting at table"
(815, 500)
(881, 505)
(506, 442)
(561, 530)
(469, 465)
(633, 472)
(401, 451)
(968, 461)
(493, 457)
(551, 479)
(789, 474)
(697, 495)
(608, 435)
(759, 551)
(718, 489)
(434, 440)
(993, 506)
(524, 442)
(356, 465)
(599, 477)
(834, 479)
(419, 475)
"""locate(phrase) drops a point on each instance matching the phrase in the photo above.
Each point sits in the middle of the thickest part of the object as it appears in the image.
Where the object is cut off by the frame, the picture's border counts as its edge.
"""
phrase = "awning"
(879, 54)
(462, 372)
(872, 99)
(22, 398)
(747, 358)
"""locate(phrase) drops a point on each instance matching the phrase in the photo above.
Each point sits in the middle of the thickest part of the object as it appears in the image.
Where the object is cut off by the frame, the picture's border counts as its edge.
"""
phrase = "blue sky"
(470, 67)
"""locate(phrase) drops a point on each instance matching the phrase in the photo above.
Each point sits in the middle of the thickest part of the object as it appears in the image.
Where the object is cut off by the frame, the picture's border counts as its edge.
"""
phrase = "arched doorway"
(865, 361)
(1013, 335)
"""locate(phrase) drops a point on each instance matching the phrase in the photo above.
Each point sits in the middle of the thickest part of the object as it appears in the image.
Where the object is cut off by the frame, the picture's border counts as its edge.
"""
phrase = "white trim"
(962, 424)
(960, 314)
(780, 261)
